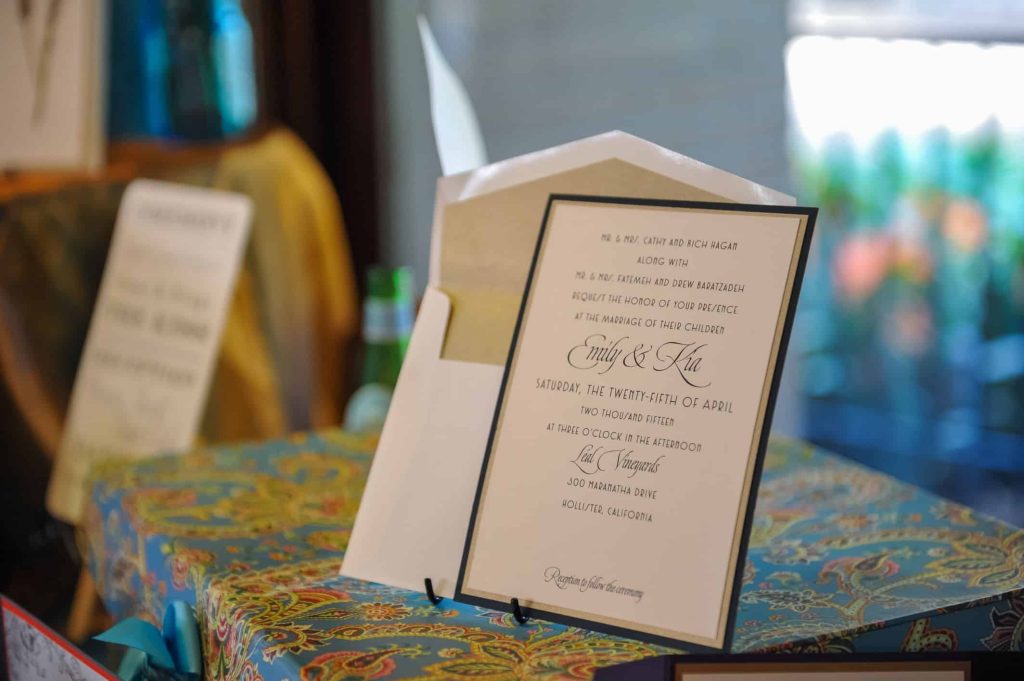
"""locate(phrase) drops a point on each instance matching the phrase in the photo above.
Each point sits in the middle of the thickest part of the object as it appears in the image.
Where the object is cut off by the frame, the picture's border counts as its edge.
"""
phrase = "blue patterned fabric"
(842, 558)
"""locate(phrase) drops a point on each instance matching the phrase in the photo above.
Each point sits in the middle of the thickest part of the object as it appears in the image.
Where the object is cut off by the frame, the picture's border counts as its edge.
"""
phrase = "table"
(842, 558)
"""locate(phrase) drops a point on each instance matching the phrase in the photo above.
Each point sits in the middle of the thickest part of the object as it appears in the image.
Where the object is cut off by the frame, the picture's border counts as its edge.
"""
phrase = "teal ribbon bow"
(171, 655)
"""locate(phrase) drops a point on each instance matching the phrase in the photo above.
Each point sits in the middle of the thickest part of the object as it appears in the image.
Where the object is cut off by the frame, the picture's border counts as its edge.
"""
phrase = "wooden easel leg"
(83, 615)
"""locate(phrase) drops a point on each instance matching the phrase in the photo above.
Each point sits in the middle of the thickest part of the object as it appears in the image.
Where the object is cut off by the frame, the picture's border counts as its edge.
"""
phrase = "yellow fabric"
(295, 312)
(292, 319)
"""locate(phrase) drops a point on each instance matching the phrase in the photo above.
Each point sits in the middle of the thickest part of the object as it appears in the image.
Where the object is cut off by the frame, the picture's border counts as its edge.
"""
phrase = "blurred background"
(899, 119)
(902, 120)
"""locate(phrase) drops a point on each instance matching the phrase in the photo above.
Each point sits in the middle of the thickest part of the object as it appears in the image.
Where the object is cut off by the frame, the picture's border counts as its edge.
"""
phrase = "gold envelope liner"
(488, 244)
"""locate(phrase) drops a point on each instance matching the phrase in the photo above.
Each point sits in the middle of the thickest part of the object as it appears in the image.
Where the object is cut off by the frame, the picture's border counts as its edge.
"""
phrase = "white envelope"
(415, 511)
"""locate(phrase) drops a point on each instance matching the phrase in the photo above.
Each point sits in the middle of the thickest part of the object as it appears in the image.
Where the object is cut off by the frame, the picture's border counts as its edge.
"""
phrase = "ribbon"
(171, 655)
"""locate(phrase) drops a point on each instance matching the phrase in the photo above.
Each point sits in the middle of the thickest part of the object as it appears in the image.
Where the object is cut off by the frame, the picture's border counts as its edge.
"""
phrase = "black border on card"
(977, 665)
(810, 213)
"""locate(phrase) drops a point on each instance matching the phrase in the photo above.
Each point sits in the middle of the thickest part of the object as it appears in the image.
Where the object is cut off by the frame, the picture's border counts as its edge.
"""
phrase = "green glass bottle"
(387, 325)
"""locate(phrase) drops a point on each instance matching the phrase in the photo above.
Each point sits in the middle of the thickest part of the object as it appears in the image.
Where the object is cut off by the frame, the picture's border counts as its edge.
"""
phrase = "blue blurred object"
(174, 654)
(911, 325)
(180, 70)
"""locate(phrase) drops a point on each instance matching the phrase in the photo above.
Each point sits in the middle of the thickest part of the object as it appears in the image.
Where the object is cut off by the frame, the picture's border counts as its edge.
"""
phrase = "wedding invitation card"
(620, 473)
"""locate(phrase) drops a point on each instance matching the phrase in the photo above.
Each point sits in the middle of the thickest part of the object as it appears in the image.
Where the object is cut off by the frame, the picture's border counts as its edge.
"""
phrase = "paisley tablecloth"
(842, 558)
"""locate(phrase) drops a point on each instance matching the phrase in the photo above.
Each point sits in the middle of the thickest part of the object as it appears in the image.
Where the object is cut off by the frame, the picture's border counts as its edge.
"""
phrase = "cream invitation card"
(155, 330)
(617, 487)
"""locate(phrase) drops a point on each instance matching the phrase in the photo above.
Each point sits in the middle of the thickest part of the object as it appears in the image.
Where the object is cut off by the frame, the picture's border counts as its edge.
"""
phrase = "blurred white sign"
(51, 77)
(155, 331)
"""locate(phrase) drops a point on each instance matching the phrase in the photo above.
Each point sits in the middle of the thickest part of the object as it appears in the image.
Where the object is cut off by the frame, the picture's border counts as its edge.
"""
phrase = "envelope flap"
(587, 151)
(487, 243)
(621, 145)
